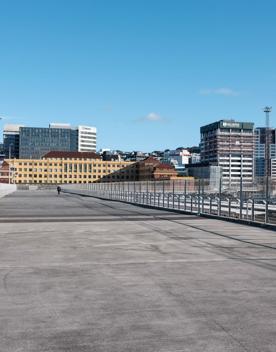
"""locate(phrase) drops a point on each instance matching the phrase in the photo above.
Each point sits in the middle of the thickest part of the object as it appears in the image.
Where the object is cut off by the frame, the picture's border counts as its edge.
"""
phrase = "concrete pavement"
(81, 274)
(6, 189)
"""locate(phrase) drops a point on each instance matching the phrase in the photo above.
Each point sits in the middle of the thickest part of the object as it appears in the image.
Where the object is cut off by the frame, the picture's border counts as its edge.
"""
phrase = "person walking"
(58, 190)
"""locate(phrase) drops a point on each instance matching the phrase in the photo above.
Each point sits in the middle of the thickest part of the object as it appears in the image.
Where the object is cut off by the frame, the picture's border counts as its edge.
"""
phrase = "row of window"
(80, 165)
(26, 178)
(99, 171)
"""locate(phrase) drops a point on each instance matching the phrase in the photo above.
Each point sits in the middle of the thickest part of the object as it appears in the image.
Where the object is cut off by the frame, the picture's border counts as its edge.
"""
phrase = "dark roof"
(165, 166)
(71, 155)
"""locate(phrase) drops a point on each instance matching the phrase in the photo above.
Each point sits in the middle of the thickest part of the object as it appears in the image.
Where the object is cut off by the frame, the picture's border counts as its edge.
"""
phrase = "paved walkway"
(85, 275)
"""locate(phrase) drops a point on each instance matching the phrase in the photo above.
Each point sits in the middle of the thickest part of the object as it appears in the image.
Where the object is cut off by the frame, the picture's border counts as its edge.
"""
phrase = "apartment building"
(230, 145)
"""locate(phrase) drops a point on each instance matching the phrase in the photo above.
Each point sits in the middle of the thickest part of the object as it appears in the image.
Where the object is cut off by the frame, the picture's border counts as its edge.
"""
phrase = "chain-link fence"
(250, 201)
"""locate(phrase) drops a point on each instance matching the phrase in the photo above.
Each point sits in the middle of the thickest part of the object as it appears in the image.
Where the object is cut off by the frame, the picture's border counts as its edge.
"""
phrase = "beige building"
(68, 167)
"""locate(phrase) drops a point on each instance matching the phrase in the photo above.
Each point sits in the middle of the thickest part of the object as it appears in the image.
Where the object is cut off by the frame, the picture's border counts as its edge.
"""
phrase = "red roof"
(151, 160)
(71, 155)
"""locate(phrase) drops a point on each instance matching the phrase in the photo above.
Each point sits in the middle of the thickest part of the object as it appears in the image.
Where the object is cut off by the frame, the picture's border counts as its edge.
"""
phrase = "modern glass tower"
(34, 142)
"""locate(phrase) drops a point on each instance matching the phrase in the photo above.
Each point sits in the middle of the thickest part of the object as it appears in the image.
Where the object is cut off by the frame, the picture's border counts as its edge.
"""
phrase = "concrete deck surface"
(81, 274)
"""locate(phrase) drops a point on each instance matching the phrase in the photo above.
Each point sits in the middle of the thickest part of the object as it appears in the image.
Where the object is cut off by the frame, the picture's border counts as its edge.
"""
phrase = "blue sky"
(147, 74)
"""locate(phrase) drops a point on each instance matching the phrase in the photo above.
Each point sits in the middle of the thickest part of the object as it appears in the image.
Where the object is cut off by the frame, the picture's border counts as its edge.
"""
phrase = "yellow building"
(70, 167)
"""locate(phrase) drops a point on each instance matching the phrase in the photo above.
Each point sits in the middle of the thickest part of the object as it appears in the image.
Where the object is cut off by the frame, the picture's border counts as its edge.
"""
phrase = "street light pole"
(10, 145)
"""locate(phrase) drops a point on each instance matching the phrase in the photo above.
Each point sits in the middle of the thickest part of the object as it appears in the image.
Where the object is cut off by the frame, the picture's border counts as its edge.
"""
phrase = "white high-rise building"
(87, 139)
(230, 145)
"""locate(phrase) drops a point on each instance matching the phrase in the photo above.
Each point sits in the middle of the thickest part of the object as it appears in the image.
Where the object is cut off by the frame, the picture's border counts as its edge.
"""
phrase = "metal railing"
(193, 196)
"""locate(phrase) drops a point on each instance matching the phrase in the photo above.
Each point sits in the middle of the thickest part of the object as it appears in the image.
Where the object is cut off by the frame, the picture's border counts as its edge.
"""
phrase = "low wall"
(6, 189)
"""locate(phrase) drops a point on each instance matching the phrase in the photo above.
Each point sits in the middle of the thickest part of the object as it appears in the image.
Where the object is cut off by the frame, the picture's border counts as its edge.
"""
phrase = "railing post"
(266, 211)
(219, 203)
(198, 197)
(185, 194)
(202, 195)
(266, 196)
(147, 192)
(241, 198)
(163, 185)
(173, 194)
(253, 210)
(229, 208)
(154, 191)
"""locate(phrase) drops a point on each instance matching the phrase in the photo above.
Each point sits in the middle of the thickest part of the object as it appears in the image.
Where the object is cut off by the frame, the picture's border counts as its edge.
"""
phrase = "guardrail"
(167, 195)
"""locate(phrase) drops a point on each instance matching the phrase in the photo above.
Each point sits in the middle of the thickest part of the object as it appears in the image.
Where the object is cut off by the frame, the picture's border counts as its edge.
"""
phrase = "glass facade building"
(11, 141)
(11, 146)
(34, 142)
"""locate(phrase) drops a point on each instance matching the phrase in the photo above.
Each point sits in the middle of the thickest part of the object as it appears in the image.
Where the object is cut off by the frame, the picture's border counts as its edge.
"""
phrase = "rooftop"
(71, 155)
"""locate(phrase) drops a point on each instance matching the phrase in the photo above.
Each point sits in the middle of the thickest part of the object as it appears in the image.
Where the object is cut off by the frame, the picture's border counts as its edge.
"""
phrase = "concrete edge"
(186, 212)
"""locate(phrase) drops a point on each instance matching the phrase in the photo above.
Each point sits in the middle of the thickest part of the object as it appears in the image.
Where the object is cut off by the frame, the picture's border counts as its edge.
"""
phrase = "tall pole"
(10, 145)
(267, 111)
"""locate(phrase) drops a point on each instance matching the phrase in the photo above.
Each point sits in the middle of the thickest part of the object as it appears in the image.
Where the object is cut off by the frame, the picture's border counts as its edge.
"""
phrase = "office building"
(11, 140)
(34, 142)
(260, 147)
(87, 139)
(273, 169)
(230, 145)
